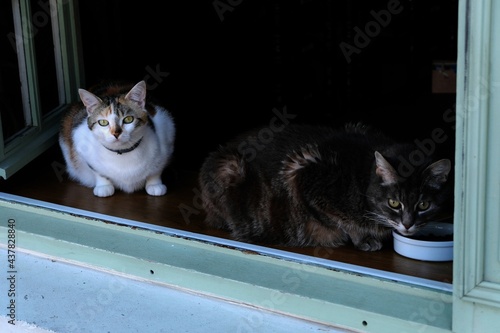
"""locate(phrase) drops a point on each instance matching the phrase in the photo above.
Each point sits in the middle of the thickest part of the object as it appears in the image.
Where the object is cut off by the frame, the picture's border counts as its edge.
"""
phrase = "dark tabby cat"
(308, 186)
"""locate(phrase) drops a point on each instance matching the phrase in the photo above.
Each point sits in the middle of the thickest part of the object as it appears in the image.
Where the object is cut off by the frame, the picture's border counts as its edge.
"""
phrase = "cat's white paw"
(156, 190)
(104, 190)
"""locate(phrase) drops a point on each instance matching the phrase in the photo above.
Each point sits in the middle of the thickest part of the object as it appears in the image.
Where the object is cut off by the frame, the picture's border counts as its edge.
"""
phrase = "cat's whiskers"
(380, 219)
(296, 196)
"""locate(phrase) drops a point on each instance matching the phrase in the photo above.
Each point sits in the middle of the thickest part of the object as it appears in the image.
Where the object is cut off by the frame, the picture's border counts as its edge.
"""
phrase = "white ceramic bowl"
(433, 249)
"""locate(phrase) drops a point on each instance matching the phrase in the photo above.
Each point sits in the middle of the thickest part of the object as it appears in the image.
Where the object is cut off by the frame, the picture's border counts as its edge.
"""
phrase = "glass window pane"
(11, 106)
(45, 59)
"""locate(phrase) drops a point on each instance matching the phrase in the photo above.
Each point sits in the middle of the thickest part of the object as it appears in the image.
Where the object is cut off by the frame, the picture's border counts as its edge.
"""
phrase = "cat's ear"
(138, 94)
(384, 170)
(90, 100)
(436, 174)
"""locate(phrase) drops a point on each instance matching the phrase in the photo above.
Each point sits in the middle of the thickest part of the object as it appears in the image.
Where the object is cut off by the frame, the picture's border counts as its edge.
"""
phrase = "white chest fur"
(128, 166)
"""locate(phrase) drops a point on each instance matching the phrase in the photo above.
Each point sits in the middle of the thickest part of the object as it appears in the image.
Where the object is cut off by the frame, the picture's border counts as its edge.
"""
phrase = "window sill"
(321, 291)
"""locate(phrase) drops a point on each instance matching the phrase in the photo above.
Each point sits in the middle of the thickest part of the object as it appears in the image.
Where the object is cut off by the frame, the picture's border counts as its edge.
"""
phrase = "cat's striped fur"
(313, 185)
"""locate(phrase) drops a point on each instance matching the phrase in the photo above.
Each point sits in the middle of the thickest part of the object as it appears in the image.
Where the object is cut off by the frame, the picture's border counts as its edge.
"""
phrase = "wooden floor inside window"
(44, 180)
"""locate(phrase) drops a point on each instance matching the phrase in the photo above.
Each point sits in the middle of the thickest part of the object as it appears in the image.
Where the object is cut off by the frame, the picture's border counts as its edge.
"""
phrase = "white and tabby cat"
(115, 138)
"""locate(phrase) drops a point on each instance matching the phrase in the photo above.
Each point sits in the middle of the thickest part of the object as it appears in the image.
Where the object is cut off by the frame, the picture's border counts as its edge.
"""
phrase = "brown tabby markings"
(307, 154)
(232, 169)
(75, 117)
(319, 186)
(321, 235)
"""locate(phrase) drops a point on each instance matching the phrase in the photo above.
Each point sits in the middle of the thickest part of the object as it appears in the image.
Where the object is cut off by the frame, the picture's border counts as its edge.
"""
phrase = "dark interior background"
(221, 67)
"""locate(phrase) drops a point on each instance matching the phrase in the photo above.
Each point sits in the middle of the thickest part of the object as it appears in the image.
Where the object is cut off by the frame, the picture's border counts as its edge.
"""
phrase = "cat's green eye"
(103, 122)
(128, 119)
(394, 203)
(423, 205)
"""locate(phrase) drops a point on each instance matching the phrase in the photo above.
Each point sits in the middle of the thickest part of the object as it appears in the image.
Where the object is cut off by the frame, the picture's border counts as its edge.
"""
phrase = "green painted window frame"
(476, 276)
(42, 130)
(342, 296)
